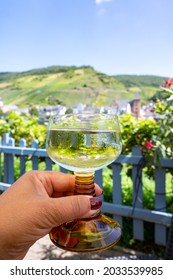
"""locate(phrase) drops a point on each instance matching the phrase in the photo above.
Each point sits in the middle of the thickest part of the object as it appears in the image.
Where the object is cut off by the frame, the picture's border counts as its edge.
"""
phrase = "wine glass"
(84, 143)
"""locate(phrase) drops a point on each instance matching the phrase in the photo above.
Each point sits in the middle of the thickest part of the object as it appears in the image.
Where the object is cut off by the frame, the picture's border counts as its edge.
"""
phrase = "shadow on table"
(49, 252)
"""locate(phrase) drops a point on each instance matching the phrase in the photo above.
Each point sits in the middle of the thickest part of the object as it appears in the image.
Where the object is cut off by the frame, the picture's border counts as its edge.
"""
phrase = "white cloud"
(102, 1)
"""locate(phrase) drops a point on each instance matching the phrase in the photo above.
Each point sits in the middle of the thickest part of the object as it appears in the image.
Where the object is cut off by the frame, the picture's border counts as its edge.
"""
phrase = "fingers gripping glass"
(84, 143)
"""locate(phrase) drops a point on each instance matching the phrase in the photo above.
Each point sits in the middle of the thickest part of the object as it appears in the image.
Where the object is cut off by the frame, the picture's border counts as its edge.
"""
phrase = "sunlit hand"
(34, 204)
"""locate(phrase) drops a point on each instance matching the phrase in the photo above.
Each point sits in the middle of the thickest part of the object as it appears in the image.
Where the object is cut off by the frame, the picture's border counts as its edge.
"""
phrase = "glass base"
(87, 235)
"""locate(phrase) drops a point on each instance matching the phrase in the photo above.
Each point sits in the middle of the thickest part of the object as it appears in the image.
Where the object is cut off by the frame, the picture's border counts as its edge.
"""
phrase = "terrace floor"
(44, 249)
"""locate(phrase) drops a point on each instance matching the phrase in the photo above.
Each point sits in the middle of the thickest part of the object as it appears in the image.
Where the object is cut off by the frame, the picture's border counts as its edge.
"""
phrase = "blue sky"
(113, 36)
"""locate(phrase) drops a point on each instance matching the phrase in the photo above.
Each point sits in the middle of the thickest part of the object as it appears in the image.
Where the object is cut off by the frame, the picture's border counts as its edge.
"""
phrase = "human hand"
(34, 204)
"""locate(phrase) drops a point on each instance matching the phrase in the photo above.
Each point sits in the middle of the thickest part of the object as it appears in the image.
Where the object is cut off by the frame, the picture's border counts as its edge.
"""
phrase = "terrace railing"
(139, 215)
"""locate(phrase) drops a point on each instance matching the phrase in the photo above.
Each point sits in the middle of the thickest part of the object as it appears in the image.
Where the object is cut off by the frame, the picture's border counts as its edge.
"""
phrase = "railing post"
(160, 204)
(5, 141)
(48, 162)
(22, 158)
(117, 188)
(63, 170)
(8, 160)
(138, 225)
(4, 170)
(98, 178)
(11, 162)
(34, 158)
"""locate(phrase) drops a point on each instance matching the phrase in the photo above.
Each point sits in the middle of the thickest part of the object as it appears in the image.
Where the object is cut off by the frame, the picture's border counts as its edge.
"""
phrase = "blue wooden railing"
(161, 219)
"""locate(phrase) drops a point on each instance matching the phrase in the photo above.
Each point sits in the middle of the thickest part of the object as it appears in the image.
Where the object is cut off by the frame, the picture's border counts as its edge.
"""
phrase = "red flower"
(168, 83)
(148, 145)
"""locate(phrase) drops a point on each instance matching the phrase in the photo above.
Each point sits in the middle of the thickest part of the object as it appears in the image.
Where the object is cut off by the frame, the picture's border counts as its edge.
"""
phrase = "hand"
(34, 204)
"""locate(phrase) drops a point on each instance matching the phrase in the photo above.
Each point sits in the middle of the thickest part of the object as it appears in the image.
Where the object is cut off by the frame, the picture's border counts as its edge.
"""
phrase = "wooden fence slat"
(11, 143)
(34, 158)
(160, 204)
(138, 225)
(117, 189)
(62, 169)
(4, 186)
(48, 163)
(5, 141)
(22, 144)
(152, 216)
(99, 178)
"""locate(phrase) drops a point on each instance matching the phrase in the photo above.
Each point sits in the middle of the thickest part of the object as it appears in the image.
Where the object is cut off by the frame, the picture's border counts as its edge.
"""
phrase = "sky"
(113, 36)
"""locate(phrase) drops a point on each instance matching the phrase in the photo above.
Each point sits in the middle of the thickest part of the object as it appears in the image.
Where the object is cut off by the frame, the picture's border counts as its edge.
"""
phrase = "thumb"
(66, 209)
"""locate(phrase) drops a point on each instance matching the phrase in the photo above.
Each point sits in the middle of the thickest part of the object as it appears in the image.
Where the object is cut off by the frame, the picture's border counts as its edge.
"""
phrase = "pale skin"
(33, 205)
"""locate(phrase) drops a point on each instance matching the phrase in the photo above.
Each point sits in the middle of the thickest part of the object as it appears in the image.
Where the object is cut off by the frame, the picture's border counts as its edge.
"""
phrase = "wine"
(84, 143)
(83, 149)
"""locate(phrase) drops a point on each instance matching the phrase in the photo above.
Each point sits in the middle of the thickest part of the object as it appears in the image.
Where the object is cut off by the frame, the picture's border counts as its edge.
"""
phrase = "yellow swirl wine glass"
(84, 143)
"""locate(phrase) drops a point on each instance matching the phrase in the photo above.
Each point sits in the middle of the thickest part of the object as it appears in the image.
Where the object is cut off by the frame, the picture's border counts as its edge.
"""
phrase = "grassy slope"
(72, 85)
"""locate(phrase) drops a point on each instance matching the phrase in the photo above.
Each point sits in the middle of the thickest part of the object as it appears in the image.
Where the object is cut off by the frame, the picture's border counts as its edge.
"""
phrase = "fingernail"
(95, 202)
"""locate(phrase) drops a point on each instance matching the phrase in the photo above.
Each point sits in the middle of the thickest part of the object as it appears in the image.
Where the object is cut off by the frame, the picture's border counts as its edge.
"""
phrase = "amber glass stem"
(91, 234)
(84, 183)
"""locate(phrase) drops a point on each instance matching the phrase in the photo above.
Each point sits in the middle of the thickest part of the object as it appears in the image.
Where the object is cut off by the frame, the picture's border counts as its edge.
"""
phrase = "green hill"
(72, 85)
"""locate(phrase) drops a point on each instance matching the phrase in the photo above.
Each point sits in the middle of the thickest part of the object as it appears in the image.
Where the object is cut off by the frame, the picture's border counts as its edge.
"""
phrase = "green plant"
(23, 126)
(142, 133)
(165, 136)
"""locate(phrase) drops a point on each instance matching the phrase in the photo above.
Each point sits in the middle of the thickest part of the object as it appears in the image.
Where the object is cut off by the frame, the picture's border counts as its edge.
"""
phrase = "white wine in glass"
(84, 143)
